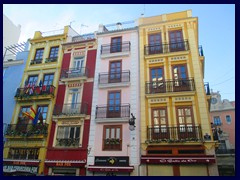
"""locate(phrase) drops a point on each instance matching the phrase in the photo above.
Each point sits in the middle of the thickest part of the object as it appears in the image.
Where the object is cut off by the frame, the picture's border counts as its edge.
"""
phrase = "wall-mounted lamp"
(132, 123)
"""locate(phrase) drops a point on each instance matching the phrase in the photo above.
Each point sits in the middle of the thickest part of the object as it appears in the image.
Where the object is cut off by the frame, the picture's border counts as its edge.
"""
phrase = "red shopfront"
(65, 167)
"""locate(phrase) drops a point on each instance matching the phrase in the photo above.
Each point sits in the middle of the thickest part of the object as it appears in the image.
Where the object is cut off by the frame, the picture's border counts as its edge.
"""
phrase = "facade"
(11, 34)
(222, 114)
(12, 76)
(26, 145)
(68, 142)
(113, 147)
(176, 137)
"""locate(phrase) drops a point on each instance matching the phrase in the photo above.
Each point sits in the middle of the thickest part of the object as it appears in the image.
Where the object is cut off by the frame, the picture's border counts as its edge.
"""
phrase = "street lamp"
(132, 123)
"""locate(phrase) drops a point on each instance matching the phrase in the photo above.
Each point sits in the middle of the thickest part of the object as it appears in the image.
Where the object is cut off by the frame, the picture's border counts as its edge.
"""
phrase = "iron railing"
(34, 91)
(118, 77)
(225, 151)
(177, 85)
(115, 47)
(112, 144)
(23, 153)
(113, 111)
(166, 48)
(70, 109)
(26, 130)
(74, 72)
(68, 142)
(52, 59)
(36, 61)
(174, 134)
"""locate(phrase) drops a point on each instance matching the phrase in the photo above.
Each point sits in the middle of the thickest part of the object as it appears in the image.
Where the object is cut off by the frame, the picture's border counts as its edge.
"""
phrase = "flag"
(32, 113)
(35, 120)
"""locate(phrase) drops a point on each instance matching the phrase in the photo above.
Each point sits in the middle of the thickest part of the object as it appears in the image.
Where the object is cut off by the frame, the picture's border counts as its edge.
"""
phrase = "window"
(68, 136)
(39, 54)
(32, 80)
(116, 44)
(185, 121)
(73, 102)
(160, 123)
(115, 69)
(155, 43)
(43, 115)
(228, 119)
(53, 52)
(23, 121)
(48, 79)
(180, 77)
(176, 41)
(23, 153)
(114, 104)
(78, 63)
(112, 137)
(217, 120)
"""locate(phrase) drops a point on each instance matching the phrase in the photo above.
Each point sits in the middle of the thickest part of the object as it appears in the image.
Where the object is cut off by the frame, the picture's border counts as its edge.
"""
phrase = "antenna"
(143, 11)
(71, 23)
(82, 25)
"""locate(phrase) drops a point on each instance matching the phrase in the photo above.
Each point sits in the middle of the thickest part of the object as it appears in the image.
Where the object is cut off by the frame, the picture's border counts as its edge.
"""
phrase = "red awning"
(178, 160)
(110, 169)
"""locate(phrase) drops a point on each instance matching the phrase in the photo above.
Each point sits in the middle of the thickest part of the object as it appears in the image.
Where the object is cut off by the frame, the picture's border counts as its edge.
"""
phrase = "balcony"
(35, 92)
(36, 61)
(113, 113)
(178, 85)
(26, 130)
(178, 134)
(225, 151)
(74, 74)
(115, 49)
(112, 144)
(114, 79)
(75, 109)
(68, 142)
(52, 59)
(166, 48)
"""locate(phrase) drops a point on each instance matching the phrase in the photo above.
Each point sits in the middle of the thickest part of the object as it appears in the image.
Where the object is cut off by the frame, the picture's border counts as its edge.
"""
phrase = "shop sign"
(111, 161)
(63, 164)
(29, 169)
(19, 163)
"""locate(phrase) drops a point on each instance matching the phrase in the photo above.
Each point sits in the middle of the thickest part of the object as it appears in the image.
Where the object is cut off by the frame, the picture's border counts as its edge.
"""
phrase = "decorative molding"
(69, 122)
(154, 29)
(79, 53)
(157, 100)
(152, 61)
(179, 99)
(175, 25)
(178, 58)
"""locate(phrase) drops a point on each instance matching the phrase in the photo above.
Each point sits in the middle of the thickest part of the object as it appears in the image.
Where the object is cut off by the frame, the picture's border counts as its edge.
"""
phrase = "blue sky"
(216, 29)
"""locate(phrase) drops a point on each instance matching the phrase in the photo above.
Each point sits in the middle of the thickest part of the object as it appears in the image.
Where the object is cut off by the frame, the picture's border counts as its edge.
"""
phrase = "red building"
(68, 140)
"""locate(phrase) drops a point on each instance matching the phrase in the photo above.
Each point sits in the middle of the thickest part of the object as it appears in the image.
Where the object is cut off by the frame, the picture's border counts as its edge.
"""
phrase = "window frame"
(118, 44)
(44, 76)
(39, 52)
(115, 73)
(55, 53)
(114, 146)
(230, 118)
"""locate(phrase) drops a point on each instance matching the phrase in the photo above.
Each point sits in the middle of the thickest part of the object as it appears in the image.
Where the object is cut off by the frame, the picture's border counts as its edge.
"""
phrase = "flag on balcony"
(32, 113)
(36, 118)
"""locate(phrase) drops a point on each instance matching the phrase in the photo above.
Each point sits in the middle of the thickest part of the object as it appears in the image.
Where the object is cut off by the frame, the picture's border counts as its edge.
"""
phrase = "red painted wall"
(87, 95)
(66, 60)
(91, 61)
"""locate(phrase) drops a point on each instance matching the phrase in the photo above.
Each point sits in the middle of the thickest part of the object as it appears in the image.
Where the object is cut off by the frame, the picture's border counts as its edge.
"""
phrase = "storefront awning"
(178, 160)
(24, 162)
(66, 163)
(110, 169)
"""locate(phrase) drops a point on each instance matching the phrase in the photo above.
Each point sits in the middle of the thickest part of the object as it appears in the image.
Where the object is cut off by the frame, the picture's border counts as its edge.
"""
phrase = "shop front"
(20, 167)
(177, 166)
(111, 166)
(65, 167)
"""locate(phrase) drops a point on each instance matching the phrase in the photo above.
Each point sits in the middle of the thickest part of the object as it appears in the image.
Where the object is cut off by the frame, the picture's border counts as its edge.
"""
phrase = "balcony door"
(185, 122)
(77, 69)
(114, 104)
(157, 80)
(73, 102)
(116, 44)
(160, 128)
(115, 69)
(181, 81)
(176, 41)
(155, 43)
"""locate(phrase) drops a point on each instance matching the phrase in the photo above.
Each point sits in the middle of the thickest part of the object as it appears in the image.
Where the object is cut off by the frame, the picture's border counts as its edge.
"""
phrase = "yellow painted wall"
(193, 170)
(160, 170)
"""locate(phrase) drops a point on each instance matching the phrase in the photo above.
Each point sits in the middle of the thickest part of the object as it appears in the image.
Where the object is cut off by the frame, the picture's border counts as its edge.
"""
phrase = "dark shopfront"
(111, 166)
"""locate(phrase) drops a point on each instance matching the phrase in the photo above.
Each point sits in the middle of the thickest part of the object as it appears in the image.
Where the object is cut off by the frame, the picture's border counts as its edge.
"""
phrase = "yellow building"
(26, 145)
(176, 136)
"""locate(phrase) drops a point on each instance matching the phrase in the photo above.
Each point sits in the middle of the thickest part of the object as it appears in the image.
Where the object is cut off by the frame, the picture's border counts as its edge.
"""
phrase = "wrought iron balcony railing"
(52, 59)
(166, 48)
(70, 109)
(170, 86)
(225, 151)
(113, 111)
(74, 72)
(112, 144)
(36, 61)
(118, 77)
(158, 134)
(28, 92)
(67, 142)
(26, 130)
(115, 47)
